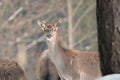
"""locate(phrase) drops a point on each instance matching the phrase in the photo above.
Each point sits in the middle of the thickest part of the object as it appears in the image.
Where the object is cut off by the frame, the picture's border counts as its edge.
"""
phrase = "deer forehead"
(50, 27)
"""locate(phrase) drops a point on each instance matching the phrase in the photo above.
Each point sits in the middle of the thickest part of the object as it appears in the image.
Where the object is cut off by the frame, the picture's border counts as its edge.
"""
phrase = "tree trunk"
(108, 20)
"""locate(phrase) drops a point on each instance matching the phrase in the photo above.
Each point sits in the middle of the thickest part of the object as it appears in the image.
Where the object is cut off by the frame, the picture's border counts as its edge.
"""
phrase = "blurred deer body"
(70, 64)
(45, 69)
(11, 70)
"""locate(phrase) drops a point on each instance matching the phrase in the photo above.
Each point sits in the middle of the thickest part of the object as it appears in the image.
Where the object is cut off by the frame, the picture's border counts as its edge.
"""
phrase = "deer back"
(11, 70)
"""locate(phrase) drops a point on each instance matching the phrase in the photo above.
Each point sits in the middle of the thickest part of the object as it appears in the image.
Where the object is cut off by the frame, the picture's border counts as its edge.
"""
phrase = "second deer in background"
(45, 69)
(11, 70)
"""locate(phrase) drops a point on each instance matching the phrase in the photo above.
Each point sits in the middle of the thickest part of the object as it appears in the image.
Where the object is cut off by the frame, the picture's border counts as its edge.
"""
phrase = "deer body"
(73, 64)
(11, 70)
(70, 64)
(45, 69)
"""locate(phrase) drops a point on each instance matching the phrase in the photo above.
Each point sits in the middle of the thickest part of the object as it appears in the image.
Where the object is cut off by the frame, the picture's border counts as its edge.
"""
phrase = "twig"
(70, 36)
(80, 19)
(34, 42)
(84, 38)
(76, 8)
(15, 13)
(0, 3)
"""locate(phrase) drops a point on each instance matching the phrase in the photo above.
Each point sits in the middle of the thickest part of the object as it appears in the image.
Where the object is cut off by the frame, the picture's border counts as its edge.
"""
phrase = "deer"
(71, 64)
(11, 70)
(45, 69)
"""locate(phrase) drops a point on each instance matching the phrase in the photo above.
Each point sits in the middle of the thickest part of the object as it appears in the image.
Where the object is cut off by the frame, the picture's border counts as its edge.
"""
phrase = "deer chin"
(49, 39)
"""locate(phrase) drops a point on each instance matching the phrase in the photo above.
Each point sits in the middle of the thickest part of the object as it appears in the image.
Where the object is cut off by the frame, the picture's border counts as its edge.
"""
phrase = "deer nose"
(49, 35)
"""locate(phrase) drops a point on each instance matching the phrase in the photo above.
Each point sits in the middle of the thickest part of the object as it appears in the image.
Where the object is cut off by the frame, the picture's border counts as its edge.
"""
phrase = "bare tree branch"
(0, 3)
(34, 42)
(84, 14)
(84, 38)
(15, 13)
(70, 36)
(77, 7)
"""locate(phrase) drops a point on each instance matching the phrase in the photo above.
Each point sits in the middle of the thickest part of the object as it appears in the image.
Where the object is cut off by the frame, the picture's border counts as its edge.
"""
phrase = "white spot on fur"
(71, 61)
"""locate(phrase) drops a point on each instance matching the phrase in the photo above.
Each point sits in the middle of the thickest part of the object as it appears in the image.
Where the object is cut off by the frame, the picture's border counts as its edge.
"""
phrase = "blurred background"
(22, 40)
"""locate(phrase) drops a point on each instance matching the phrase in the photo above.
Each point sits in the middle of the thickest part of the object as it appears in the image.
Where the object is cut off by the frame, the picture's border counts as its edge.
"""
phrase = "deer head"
(50, 30)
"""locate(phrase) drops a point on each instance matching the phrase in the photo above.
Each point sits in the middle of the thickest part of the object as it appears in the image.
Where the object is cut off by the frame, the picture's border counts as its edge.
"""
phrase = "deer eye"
(47, 31)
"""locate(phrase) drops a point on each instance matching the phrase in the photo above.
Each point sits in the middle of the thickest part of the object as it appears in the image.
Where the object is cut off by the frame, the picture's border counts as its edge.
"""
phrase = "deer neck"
(56, 51)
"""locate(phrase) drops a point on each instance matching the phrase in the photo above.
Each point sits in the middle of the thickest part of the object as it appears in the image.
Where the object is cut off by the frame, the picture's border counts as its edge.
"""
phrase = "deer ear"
(58, 22)
(41, 24)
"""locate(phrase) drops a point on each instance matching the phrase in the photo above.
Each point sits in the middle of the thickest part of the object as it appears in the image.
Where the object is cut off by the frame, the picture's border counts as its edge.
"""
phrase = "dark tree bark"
(108, 21)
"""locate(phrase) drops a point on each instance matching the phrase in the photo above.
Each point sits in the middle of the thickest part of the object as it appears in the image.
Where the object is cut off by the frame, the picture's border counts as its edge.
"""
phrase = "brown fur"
(70, 64)
(11, 70)
(45, 69)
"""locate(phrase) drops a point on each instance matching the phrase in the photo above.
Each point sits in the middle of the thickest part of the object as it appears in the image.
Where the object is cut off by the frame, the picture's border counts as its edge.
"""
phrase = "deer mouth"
(49, 36)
